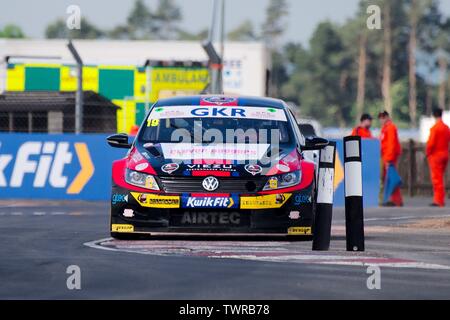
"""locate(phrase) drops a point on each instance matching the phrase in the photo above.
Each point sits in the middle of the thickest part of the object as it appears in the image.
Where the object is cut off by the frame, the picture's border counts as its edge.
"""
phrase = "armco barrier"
(67, 166)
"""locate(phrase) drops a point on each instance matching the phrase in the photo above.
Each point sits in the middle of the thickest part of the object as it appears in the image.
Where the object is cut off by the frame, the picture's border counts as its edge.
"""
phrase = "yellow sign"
(122, 228)
(156, 201)
(270, 201)
(300, 230)
(273, 183)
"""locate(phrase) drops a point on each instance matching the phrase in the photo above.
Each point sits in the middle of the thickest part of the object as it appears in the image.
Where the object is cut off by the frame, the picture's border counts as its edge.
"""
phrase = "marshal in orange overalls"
(390, 153)
(362, 132)
(437, 154)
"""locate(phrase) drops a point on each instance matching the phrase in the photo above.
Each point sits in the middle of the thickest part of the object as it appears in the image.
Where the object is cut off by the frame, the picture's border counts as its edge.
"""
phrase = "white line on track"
(409, 217)
(265, 251)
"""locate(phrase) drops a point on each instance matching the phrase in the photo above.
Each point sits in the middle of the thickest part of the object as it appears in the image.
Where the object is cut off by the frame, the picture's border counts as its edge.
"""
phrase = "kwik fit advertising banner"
(61, 166)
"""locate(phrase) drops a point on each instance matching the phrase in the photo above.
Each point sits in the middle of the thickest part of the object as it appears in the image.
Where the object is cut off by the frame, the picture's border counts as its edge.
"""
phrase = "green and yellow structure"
(126, 86)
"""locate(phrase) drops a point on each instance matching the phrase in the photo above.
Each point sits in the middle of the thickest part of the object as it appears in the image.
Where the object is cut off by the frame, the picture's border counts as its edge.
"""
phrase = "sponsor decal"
(209, 202)
(266, 114)
(47, 162)
(157, 201)
(299, 230)
(273, 183)
(238, 151)
(136, 157)
(119, 198)
(141, 166)
(211, 167)
(213, 112)
(128, 213)
(210, 183)
(168, 113)
(254, 169)
(302, 198)
(270, 201)
(122, 228)
(281, 198)
(294, 215)
(142, 197)
(211, 218)
(282, 167)
(219, 100)
(241, 112)
(150, 182)
(170, 167)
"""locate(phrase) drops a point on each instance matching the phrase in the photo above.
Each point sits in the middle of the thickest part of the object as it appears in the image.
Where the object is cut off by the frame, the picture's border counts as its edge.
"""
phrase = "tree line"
(343, 71)
(348, 69)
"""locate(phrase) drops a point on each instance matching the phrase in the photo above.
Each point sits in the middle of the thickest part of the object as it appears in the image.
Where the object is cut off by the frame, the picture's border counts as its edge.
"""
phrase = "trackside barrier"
(60, 166)
(78, 167)
(370, 149)
(354, 212)
(325, 191)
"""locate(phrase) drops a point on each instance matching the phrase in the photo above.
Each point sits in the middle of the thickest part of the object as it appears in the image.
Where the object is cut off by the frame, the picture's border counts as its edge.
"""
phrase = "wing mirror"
(314, 143)
(119, 141)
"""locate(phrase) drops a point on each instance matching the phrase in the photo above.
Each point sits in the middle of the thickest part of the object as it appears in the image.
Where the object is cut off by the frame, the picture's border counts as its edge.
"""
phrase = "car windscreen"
(216, 125)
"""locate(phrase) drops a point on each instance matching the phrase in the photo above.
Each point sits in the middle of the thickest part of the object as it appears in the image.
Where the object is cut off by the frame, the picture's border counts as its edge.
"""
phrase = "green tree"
(166, 16)
(274, 24)
(319, 82)
(140, 23)
(58, 30)
(121, 32)
(443, 57)
(243, 32)
(272, 29)
(11, 31)
(188, 36)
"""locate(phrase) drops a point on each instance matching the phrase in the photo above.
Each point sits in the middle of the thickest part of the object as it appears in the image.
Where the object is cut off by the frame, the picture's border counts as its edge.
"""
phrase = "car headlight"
(140, 179)
(283, 180)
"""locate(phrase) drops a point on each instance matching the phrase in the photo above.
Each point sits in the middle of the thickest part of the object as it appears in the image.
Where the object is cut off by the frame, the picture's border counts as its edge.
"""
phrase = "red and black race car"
(214, 164)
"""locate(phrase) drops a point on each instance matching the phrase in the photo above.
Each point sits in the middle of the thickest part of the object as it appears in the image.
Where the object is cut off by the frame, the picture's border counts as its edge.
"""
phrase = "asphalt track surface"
(39, 240)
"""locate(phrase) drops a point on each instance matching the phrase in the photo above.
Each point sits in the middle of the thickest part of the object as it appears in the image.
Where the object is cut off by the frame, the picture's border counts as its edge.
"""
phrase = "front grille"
(226, 185)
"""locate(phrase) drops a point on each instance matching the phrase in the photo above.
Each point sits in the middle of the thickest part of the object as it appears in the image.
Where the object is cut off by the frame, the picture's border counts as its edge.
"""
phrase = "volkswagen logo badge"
(210, 183)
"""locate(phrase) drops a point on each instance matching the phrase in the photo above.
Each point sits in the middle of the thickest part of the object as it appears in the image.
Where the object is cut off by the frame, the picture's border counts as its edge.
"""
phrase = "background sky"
(33, 16)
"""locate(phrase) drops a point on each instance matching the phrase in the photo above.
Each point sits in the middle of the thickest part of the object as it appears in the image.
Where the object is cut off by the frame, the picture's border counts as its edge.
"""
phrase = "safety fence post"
(324, 203)
(354, 212)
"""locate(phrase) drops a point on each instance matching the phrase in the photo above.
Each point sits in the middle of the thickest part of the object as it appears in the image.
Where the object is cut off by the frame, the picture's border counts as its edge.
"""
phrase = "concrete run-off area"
(410, 245)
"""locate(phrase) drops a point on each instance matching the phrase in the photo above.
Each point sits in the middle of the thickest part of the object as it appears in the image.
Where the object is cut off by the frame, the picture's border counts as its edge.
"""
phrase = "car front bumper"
(285, 213)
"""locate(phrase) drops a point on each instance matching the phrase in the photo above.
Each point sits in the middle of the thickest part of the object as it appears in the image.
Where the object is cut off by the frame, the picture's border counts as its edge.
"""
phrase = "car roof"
(247, 101)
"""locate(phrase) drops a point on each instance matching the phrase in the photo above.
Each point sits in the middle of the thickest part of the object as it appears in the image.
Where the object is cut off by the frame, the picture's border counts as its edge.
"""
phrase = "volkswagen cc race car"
(214, 164)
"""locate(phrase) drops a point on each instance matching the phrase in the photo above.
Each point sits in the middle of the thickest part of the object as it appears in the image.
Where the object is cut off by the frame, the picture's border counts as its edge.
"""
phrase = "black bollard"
(354, 212)
(324, 202)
